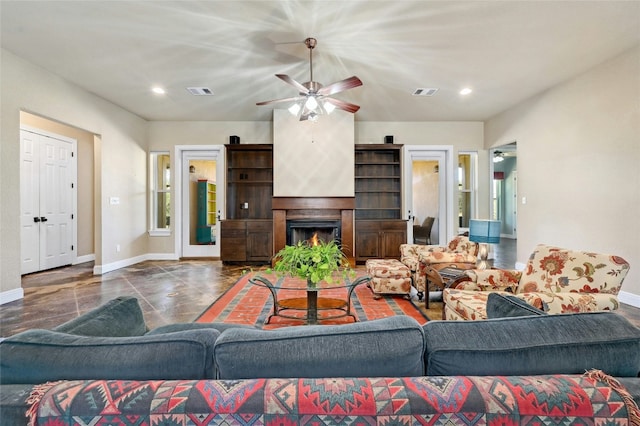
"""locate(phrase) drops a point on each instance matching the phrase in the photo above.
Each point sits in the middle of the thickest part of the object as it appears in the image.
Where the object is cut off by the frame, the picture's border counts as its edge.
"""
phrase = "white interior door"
(29, 202)
(200, 165)
(429, 189)
(47, 185)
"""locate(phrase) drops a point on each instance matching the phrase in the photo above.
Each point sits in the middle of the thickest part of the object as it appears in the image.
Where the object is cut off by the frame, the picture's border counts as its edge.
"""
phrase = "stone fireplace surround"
(317, 209)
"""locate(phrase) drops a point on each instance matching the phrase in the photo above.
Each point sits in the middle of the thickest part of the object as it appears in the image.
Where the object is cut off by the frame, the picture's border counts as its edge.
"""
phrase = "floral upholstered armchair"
(555, 280)
(419, 258)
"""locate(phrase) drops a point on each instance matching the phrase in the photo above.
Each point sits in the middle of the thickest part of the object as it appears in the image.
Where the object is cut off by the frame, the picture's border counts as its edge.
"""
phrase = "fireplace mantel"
(313, 208)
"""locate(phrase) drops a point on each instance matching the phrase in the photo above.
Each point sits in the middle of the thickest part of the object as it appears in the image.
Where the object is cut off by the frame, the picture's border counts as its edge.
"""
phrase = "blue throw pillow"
(503, 306)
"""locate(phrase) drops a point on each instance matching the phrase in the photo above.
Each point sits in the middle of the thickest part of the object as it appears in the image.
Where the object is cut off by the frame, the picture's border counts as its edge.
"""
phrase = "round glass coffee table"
(312, 303)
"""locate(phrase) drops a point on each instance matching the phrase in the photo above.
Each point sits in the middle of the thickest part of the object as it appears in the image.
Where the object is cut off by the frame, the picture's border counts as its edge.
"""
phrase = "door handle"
(43, 219)
(36, 219)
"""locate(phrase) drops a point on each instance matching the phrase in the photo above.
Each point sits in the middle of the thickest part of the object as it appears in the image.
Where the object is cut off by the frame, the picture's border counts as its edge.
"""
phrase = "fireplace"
(333, 217)
(304, 229)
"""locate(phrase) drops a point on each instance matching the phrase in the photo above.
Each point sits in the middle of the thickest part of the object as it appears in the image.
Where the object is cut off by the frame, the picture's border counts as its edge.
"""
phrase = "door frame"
(183, 153)
(444, 154)
(511, 147)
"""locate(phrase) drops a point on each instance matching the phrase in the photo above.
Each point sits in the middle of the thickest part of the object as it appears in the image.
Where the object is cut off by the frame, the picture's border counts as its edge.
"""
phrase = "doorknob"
(43, 219)
(36, 219)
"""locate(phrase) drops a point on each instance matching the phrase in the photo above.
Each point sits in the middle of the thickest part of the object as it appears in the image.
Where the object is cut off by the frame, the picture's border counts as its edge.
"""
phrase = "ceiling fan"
(315, 99)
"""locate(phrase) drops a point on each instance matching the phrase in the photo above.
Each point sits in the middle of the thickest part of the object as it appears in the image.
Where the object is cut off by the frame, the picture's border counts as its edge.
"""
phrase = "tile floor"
(169, 291)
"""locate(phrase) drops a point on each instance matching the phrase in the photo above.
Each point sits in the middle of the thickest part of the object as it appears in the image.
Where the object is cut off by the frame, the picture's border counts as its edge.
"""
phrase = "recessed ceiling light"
(158, 90)
(465, 91)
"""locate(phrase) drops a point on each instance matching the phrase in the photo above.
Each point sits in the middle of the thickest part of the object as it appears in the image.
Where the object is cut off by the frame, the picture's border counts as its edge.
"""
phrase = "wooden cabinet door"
(259, 240)
(379, 239)
(233, 241)
(390, 241)
(367, 240)
(367, 245)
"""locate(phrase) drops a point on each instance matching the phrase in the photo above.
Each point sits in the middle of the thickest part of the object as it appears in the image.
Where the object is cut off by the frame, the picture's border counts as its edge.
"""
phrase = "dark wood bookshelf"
(378, 192)
(247, 232)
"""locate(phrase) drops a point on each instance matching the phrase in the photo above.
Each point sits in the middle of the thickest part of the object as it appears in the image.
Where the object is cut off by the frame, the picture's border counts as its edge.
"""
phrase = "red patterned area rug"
(248, 304)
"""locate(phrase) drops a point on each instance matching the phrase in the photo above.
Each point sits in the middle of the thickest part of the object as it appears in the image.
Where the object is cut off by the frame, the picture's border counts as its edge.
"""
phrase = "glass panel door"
(200, 204)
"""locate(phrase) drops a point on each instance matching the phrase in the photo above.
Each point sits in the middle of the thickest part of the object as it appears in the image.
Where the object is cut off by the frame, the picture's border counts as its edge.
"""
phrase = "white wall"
(122, 171)
(579, 164)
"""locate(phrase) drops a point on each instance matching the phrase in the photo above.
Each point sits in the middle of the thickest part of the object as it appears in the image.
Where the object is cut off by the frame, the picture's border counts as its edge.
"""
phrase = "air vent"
(424, 92)
(200, 91)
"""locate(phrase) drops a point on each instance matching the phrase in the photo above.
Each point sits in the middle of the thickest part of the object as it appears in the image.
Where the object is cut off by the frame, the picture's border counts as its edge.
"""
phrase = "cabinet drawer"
(233, 229)
(260, 226)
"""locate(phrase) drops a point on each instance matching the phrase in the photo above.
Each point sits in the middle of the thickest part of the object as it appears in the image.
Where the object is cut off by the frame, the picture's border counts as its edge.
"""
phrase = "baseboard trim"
(11, 295)
(629, 299)
(84, 259)
(109, 267)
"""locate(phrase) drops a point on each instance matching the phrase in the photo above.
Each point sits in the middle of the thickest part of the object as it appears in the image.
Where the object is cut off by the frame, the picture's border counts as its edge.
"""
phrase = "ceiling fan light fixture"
(294, 109)
(498, 156)
(311, 103)
(328, 107)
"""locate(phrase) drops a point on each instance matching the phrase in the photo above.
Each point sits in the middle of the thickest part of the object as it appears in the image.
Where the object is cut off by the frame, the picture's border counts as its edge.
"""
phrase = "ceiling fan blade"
(294, 99)
(345, 106)
(294, 83)
(340, 86)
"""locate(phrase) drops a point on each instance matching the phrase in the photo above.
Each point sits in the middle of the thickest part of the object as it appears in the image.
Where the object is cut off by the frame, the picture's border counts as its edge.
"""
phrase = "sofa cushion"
(504, 306)
(38, 356)
(546, 344)
(391, 346)
(119, 317)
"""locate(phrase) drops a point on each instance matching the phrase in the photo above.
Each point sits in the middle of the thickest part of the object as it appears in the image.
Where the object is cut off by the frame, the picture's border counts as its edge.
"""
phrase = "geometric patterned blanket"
(593, 398)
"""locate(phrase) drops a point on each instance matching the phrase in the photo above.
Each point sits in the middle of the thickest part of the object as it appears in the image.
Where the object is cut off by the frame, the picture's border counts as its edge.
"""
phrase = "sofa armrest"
(573, 302)
(546, 344)
(38, 356)
(428, 257)
(119, 317)
(493, 280)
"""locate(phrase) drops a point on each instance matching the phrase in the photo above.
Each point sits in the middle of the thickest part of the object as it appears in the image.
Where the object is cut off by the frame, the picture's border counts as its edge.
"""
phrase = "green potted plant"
(314, 261)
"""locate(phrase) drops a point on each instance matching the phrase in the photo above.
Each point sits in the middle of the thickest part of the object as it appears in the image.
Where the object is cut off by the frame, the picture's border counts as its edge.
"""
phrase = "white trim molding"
(629, 299)
(84, 259)
(103, 269)
(11, 295)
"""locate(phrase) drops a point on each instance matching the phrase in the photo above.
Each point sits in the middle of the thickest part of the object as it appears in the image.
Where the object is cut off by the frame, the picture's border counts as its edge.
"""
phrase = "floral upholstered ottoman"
(388, 276)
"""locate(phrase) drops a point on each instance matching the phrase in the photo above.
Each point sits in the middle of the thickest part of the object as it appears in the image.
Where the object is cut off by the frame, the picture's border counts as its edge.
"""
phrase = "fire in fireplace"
(304, 229)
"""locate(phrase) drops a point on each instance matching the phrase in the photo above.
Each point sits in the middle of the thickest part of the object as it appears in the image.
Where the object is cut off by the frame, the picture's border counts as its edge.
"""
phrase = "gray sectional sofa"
(112, 343)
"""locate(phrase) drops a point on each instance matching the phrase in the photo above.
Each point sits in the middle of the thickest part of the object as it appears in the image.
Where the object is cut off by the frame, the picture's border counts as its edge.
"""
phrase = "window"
(160, 193)
(466, 188)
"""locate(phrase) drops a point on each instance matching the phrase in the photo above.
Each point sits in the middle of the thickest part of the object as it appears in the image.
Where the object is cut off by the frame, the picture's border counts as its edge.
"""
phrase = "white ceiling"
(506, 51)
